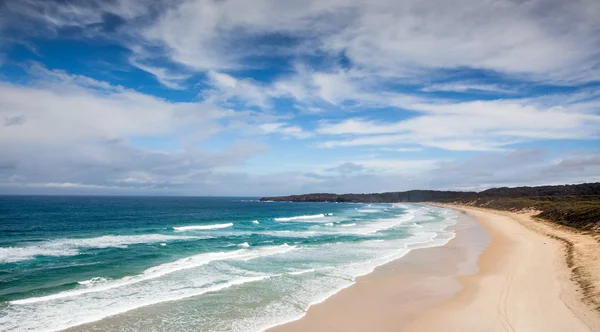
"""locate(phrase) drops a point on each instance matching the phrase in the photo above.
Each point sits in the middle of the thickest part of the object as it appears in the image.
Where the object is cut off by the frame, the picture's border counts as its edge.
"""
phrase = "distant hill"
(586, 189)
(390, 197)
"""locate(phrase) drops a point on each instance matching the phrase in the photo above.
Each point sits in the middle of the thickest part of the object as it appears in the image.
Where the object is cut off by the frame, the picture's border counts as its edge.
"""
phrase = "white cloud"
(57, 15)
(333, 87)
(70, 131)
(337, 88)
(478, 125)
(162, 75)
(539, 39)
(554, 40)
(62, 112)
(218, 35)
(535, 38)
(517, 168)
(467, 87)
(285, 130)
(310, 90)
(402, 149)
(397, 165)
(66, 131)
(246, 91)
(222, 81)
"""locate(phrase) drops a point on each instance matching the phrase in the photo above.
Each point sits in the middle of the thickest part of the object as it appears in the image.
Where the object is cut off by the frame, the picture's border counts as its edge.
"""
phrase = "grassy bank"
(581, 212)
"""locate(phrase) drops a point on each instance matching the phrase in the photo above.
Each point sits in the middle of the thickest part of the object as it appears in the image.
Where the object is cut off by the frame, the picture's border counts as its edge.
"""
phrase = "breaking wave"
(201, 227)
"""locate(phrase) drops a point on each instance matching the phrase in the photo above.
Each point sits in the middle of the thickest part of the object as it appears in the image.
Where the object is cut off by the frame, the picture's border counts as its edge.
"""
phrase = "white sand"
(523, 283)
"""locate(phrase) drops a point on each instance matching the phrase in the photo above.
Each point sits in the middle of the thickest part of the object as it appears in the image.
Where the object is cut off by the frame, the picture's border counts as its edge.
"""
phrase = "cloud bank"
(258, 97)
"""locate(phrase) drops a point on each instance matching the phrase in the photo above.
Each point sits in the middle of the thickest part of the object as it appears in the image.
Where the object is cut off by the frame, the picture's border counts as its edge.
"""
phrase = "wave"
(371, 228)
(201, 227)
(383, 224)
(17, 254)
(304, 217)
(70, 247)
(300, 281)
(288, 233)
(400, 206)
(368, 210)
(301, 272)
(164, 269)
(122, 307)
(120, 241)
(245, 245)
(93, 281)
(255, 222)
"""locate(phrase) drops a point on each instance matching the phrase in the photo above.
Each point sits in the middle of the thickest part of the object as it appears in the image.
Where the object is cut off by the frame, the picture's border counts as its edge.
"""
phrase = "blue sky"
(262, 97)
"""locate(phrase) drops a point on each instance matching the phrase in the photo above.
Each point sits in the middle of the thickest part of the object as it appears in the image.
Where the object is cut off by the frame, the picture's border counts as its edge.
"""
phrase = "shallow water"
(167, 264)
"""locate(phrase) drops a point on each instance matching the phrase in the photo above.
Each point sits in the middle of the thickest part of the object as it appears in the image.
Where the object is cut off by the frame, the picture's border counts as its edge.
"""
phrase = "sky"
(270, 97)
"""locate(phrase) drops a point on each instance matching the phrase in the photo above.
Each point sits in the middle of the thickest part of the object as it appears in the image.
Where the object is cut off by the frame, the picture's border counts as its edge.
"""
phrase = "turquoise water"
(209, 264)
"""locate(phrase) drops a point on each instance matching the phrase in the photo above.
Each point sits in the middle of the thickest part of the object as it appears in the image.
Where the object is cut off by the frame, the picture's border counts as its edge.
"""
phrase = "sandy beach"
(502, 272)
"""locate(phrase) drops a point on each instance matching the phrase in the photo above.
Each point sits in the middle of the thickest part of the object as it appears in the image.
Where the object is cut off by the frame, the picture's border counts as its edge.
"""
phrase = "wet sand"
(396, 293)
(519, 282)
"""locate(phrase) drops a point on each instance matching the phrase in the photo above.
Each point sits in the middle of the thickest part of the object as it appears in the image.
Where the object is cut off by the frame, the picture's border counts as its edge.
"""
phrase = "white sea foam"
(318, 288)
(119, 241)
(385, 224)
(255, 222)
(17, 254)
(400, 206)
(288, 233)
(201, 227)
(301, 272)
(373, 227)
(245, 245)
(368, 210)
(164, 269)
(93, 281)
(305, 217)
(70, 247)
(56, 321)
(288, 275)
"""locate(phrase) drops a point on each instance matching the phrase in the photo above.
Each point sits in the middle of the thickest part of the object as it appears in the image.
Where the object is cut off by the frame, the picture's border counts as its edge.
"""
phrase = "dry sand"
(533, 276)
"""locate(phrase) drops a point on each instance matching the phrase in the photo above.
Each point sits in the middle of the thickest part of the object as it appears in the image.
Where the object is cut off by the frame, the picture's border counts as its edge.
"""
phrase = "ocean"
(192, 263)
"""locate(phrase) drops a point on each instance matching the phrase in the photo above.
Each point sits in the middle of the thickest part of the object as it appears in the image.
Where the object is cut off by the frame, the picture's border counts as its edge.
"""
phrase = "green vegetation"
(581, 212)
(390, 197)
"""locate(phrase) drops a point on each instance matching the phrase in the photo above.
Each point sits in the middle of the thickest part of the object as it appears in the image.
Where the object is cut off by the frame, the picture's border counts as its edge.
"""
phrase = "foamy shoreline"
(373, 299)
(521, 283)
(309, 273)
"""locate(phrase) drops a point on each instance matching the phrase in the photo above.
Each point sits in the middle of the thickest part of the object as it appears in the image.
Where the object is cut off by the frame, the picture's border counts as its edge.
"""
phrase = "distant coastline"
(575, 205)
(584, 189)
